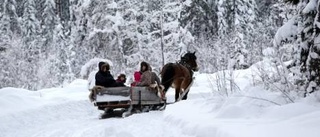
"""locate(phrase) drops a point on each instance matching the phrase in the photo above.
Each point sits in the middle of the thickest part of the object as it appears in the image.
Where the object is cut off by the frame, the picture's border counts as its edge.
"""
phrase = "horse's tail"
(167, 75)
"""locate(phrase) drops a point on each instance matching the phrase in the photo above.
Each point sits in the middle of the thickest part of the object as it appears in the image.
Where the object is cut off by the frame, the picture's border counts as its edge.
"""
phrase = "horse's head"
(191, 60)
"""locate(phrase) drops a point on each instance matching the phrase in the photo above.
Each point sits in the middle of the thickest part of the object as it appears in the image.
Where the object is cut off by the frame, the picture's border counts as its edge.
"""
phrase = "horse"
(179, 75)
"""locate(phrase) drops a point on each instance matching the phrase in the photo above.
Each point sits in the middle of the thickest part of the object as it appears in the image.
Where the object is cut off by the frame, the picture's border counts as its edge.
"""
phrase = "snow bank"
(29, 111)
(248, 112)
(244, 117)
(12, 99)
(15, 100)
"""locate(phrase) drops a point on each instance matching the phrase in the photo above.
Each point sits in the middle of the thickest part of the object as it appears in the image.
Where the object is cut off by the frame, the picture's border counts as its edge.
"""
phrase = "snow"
(86, 3)
(269, 52)
(111, 98)
(187, 3)
(249, 111)
(286, 32)
(311, 6)
(113, 5)
(24, 100)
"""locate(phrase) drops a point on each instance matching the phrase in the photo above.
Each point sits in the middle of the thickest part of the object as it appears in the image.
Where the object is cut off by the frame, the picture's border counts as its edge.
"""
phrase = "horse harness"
(185, 64)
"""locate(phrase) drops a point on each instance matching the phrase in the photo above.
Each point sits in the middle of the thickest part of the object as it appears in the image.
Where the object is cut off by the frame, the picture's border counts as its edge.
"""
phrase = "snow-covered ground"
(248, 112)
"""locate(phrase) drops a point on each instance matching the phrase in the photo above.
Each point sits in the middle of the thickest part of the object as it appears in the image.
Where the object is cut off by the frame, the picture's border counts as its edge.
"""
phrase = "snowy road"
(80, 119)
(67, 112)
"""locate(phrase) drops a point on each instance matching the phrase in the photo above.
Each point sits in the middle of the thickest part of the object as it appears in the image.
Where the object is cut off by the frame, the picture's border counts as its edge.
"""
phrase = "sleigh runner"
(131, 99)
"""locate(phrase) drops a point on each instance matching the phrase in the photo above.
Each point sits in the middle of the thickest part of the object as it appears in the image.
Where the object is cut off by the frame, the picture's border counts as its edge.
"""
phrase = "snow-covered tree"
(176, 39)
(48, 23)
(313, 61)
(9, 9)
(200, 16)
(10, 31)
(32, 45)
(31, 24)
(302, 30)
(63, 10)
(5, 29)
(236, 25)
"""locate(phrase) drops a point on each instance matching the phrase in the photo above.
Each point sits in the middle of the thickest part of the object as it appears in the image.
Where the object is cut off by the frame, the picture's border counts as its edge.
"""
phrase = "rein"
(184, 63)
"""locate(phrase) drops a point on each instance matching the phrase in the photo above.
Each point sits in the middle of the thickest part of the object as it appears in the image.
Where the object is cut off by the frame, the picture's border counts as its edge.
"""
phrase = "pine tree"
(200, 17)
(306, 42)
(10, 32)
(48, 23)
(60, 58)
(5, 44)
(32, 45)
(177, 39)
(236, 26)
(10, 10)
(313, 61)
(5, 28)
(63, 11)
(79, 34)
(105, 23)
(30, 24)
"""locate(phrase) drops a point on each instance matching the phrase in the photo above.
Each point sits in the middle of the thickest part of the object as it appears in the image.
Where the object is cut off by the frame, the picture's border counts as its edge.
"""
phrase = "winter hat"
(100, 65)
(106, 65)
(143, 64)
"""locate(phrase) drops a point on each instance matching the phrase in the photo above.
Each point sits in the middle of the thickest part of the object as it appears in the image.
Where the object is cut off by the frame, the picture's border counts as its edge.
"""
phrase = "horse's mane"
(188, 56)
(184, 60)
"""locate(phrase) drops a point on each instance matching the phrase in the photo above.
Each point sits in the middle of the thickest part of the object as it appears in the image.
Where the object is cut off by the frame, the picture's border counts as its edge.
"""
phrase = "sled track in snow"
(79, 118)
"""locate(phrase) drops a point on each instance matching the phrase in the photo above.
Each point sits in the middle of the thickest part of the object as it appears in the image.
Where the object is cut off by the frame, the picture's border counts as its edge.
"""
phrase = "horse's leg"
(185, 83)
(177, 86)
(177, 94)
(185, 96)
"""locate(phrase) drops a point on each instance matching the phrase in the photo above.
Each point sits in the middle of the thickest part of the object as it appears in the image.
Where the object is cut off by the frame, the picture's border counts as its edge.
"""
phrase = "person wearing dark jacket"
(104, 78)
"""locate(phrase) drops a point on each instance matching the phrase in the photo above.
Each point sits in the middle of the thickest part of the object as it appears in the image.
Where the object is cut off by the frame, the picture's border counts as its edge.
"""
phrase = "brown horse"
(179, 75)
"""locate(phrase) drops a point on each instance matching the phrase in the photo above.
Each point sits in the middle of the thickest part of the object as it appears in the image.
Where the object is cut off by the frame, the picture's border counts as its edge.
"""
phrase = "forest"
(44, 43)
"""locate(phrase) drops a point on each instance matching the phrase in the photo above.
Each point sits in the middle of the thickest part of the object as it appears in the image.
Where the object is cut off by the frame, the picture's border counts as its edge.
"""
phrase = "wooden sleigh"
(128, 99)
